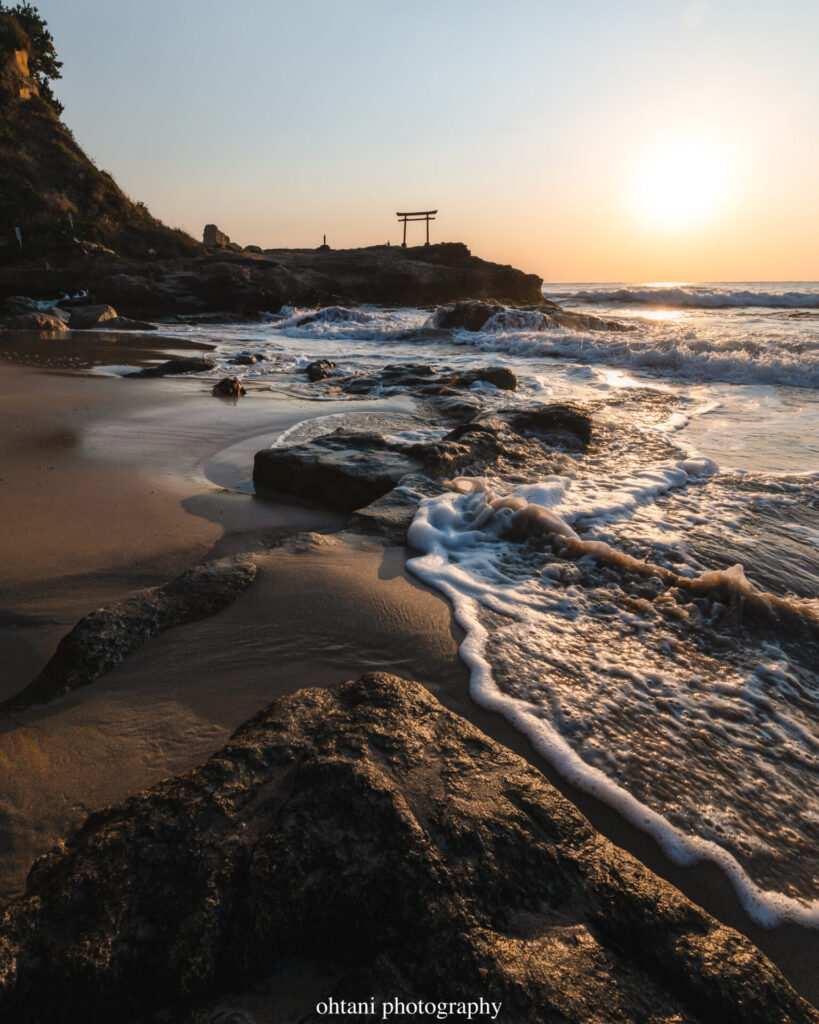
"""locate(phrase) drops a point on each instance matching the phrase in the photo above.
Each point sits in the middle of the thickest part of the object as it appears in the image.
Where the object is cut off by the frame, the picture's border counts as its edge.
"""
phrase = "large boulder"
(36, 321)
(344, 470)
(356, 843)
(466, 316)
(84, 317)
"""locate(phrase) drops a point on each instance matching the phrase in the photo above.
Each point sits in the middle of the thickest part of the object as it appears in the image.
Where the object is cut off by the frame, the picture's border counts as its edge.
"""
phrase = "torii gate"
(426, 215)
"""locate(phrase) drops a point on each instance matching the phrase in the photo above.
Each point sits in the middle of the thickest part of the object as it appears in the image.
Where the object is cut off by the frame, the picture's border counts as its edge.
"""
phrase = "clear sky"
(583, 140)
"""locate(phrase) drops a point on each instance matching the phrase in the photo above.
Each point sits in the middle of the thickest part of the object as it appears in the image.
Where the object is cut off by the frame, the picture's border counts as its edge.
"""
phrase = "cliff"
(49, 188)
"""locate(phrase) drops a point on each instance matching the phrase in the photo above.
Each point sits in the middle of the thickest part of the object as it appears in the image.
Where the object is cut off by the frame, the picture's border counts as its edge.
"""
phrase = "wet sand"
(105, 490)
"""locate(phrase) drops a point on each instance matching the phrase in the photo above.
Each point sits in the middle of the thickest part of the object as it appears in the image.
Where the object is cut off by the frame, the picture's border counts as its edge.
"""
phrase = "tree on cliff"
(21, 27)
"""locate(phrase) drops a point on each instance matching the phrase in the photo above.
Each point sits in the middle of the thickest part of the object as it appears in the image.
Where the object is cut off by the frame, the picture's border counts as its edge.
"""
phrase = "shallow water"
(634, 655)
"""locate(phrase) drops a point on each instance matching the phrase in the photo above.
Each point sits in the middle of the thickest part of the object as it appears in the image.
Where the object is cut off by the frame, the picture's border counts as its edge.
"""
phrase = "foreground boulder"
(385, 841)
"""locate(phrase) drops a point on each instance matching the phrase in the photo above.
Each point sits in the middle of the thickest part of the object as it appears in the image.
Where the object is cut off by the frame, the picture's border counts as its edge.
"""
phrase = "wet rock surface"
(186, 364)
(384, 841)
(319, 369)
(106, 636)
(348, 469)
(229, 387)
(85, 317)
(344, 470)
(35, 321)
(541, 316)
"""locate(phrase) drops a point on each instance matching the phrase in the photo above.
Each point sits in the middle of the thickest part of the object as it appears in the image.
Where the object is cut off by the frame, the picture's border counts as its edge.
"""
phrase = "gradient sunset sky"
(585, 141)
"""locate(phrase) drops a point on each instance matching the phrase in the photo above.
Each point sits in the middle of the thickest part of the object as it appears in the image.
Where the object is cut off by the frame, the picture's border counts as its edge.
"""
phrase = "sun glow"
(682, 183)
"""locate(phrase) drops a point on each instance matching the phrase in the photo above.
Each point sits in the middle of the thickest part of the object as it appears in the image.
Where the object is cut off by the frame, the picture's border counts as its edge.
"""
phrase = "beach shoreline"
(325, 607)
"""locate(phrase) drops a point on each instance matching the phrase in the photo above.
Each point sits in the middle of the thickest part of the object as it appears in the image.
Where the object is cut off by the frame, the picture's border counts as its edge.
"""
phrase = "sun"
(681, 183)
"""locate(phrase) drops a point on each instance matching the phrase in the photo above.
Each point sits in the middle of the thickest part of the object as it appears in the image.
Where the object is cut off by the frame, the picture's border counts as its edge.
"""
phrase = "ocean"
(667, 662)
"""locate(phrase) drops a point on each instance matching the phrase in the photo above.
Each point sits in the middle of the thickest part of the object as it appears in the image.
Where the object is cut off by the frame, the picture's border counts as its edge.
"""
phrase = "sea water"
(702, 478)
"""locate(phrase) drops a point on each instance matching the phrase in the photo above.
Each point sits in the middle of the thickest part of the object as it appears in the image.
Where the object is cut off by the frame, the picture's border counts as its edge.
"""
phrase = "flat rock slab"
(344, 470)
(386, 841)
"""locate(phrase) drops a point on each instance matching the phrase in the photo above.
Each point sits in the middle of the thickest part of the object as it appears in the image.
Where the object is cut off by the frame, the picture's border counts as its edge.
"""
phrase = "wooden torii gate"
(426, 215)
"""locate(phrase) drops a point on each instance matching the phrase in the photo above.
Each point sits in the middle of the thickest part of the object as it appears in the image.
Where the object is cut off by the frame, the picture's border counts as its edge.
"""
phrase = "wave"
(587, 676)
(686, 356)
(700, 298)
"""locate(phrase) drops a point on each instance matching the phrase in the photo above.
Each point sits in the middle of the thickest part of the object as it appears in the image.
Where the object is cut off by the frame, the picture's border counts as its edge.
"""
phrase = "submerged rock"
(106, 636)
(366, 830)
(423, 380)
(186, 364)
(229, 387)
(248, 359)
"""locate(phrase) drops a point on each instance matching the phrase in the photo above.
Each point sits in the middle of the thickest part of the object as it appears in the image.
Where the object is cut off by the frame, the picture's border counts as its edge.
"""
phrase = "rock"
(319, 369)
(213, 238)
(123, 323)
(229, 387)
(36, 322)
(466, 316)
(499, 376)
(13, 305)
(59, 312)
(248, 359)
(83, 317)
(187, 364)
(343, 470)
(106, 636)
(369, 832)
(253, 248)
(390, 516)
(234, 247)
(424, 380)
(554, 423)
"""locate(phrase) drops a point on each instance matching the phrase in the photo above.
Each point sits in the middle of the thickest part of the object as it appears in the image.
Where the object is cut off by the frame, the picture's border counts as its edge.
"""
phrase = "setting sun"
(681, 183)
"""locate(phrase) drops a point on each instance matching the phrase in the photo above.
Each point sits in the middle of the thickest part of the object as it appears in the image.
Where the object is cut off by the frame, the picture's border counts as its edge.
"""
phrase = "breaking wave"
(701, 298)
(737, 359)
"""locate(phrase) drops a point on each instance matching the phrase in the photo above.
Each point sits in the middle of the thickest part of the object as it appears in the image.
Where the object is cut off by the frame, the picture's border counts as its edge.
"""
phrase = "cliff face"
(365, 842)
(47, 181)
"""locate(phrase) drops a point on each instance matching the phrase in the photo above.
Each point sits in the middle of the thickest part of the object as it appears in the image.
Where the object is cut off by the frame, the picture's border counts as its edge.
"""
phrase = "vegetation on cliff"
(49, 188)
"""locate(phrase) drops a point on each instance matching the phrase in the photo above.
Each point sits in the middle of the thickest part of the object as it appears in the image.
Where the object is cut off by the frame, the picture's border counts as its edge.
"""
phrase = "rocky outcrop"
(248, 283)
(540, 316)
(106, 636)
(421, 379)
(371, 833)
(213, 238)
(35, 321)
(348, 470)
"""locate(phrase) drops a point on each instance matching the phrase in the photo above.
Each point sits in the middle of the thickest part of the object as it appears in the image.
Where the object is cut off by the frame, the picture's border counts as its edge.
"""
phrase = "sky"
(583, 141)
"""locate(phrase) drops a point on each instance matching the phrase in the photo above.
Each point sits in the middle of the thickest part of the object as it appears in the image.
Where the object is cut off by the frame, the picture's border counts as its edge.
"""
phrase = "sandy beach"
(107, 489)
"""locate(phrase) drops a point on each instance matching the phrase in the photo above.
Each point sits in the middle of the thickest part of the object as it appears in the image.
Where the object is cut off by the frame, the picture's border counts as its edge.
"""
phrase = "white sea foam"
(592, 681)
